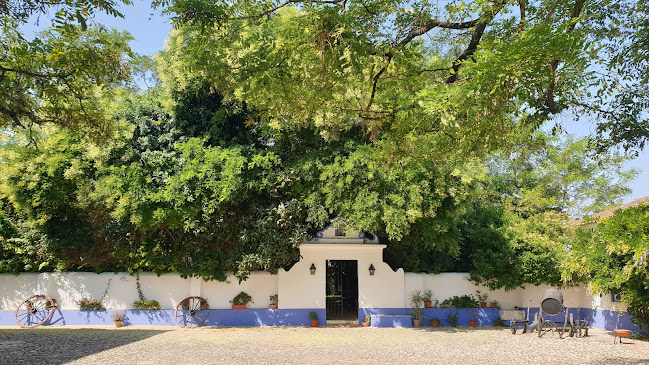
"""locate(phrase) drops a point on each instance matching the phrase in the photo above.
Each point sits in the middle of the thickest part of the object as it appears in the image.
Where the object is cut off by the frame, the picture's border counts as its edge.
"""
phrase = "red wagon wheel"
(191, 312)
(34, 311)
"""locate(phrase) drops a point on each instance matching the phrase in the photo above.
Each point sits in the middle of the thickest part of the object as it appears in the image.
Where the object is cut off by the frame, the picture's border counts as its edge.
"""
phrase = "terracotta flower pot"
(314, 323)
(118, 323)
(272, 306)
(428, 304)
(365, 324)
(494, 304)
(238, 306)
(434, 323)
(483, 304)
(473, 323)
(416, 323)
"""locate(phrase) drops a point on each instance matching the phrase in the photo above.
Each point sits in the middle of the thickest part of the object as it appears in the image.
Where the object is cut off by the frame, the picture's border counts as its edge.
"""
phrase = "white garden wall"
(297, 288)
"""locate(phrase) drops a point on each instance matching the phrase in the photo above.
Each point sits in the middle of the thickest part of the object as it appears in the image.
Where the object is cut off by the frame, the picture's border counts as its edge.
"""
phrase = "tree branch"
(375, 82)
(480, 27)
(431, 24)
(549, 94)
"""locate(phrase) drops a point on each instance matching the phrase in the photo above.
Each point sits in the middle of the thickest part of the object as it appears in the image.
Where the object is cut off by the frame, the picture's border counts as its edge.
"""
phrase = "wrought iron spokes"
(34, 311)
(192, 312)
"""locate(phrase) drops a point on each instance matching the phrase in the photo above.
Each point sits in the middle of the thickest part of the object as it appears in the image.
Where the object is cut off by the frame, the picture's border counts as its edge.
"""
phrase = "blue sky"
(150, 29)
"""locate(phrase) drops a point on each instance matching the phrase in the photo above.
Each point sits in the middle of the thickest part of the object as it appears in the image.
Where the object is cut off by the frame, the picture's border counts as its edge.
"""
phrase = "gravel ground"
(291, 345)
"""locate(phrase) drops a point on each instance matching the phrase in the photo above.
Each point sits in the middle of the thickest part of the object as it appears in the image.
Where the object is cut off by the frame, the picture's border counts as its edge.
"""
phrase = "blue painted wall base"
(398, 316)
(382, 317)
(216, 317)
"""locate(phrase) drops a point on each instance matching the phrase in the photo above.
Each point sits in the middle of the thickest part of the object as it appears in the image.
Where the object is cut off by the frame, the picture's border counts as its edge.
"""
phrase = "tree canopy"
(422, 123)
(611, 254)
(422, 79)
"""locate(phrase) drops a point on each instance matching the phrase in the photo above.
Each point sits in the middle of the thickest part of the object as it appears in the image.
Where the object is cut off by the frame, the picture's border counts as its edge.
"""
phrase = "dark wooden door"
(342, 289)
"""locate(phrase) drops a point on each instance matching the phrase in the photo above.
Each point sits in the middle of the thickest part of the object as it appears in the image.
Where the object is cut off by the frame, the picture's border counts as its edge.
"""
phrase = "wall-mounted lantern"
(312, 268)
(372, 270)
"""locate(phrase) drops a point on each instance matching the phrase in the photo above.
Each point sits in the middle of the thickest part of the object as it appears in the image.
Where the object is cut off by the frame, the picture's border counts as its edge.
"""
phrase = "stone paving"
(291, 345)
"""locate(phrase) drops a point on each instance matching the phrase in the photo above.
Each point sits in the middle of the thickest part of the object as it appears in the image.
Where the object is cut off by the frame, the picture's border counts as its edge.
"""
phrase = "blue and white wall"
(384, 294)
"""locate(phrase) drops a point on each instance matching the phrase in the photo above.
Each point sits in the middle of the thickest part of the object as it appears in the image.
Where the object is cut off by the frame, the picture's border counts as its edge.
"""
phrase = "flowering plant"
(117, 316)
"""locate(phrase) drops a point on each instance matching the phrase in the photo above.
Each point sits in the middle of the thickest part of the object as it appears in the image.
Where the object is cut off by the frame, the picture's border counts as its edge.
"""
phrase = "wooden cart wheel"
(34, 311)
(191, 312)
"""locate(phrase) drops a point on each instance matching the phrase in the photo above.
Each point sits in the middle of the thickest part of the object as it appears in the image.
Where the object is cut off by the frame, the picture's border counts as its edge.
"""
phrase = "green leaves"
(60, 77)
(611, 255)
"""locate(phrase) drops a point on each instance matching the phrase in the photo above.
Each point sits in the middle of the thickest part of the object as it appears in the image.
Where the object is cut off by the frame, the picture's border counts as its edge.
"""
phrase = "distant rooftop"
(611, 211)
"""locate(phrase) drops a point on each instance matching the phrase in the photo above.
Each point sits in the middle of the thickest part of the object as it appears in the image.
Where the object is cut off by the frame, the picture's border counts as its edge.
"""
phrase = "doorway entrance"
(342, 290)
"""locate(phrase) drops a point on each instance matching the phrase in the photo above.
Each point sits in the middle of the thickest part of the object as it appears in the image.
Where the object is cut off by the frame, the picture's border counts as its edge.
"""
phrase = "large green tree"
(424, 79)
(611, 256)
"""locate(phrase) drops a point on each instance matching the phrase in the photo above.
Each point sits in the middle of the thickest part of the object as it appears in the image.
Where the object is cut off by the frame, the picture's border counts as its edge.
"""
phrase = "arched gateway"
(342, 277)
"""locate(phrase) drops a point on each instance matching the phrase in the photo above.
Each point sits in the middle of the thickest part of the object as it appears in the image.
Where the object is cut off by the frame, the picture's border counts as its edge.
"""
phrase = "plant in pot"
(494, 304)
(368, 319)
(274, 299)
(482, 298)
(452, 318)
(313, 317)
(427, 297)
(117, 318)
(241, 300)
(416, 300)
(473, 321)
(434, 322)
(417, 317)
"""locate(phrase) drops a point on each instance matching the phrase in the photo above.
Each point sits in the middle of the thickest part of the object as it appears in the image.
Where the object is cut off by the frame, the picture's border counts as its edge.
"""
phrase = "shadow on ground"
(49, 345)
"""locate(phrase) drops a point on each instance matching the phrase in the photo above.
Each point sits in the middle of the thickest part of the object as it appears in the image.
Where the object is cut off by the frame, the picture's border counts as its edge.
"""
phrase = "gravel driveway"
(291, 345)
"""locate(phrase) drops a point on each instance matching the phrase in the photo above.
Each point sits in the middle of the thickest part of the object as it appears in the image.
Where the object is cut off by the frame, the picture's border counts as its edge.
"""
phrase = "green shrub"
(241, 299)
(86, 304)
(146, 304)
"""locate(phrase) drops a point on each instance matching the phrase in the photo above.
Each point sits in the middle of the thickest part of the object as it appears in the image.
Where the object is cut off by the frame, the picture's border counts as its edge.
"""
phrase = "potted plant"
(204, 304)
(494, 304)
(482, 298)
(117, 318)
(274, 299)
(452, 318)
(434, 322)
(417, 317)
(473, 321)
(313, 317)
(427, 297)
(416, 300)
(241, 300)
(368, 319)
